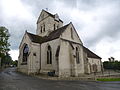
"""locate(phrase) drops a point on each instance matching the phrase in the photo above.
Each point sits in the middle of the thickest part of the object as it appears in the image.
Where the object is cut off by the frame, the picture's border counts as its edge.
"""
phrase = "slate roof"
(35, 38)
(90, 54)
(52, 35)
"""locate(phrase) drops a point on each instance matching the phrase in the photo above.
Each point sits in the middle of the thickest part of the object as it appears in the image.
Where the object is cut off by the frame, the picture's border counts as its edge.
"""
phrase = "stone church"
(56, 48)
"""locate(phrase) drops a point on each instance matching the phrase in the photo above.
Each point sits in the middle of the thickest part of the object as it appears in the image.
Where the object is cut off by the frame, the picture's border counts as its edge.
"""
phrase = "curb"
(67, 78)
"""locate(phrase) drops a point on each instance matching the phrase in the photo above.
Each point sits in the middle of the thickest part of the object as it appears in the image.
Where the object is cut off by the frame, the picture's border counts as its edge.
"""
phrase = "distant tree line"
(114, 65)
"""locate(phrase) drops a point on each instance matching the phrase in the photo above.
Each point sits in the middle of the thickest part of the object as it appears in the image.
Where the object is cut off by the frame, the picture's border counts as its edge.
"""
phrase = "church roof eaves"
(90, 54)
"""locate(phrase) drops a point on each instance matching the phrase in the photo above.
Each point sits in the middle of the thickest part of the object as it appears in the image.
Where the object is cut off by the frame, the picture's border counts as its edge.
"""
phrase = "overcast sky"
(96, 21)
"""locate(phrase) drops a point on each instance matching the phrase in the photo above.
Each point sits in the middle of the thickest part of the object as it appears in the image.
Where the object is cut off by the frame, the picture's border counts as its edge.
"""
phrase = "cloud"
(97, 23)
(14, 54)
(17, 17)
(106, 49)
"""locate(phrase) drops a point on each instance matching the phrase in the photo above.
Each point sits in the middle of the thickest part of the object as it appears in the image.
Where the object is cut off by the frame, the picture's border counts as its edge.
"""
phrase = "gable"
(25, 39)
(44, 14)
(71, 34)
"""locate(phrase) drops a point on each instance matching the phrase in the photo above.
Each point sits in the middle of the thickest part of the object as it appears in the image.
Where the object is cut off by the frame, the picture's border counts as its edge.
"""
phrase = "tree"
(4, 44)
(15, 63)
(114, 65)
(6, 60)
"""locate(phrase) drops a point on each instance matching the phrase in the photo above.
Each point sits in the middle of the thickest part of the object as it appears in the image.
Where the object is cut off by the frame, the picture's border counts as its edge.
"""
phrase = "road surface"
(12, 80)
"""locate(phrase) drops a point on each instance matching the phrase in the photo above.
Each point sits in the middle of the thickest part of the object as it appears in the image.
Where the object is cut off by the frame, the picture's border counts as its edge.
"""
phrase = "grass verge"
(108, 79)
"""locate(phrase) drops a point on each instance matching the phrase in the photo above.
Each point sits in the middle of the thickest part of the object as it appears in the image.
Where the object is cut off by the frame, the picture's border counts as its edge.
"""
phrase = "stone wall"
(67, 34)
(34, 58)
(23, 67)
(33, 61)
(49, 67)
(67, 60)
(64, 60)
(93, 61)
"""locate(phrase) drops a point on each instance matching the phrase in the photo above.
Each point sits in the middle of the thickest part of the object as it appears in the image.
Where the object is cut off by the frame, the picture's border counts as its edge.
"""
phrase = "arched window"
(44, 28)
(77, 56)
(54, 27)
(41, 29)
(57, 52)
(49, 55)
(25, 53)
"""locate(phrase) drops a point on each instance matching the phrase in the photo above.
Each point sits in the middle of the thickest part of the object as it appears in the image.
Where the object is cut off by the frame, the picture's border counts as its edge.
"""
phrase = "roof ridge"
(48, 12)
(53, 15)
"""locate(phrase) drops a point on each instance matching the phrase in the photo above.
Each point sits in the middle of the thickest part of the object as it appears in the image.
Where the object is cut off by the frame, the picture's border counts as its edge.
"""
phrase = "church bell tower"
(47, 23)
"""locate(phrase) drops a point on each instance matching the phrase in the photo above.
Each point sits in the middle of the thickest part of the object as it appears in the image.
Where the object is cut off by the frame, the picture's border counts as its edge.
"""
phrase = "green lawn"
(108, 79)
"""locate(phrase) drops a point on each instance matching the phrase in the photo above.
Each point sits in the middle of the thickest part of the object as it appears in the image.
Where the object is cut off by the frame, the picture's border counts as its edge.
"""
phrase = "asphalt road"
(11, 80)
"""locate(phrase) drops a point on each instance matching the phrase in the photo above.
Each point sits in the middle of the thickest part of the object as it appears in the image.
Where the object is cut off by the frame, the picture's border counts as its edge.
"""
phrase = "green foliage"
(6, 60)
(108, 79)
(115, 65)
(4, 44)
(15, 63)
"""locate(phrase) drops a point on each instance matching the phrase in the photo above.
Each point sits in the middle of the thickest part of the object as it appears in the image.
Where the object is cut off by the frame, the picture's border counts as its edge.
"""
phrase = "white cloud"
(16, 9)
(17, 17)
(93, 20)
(14, 54)
(108, 48)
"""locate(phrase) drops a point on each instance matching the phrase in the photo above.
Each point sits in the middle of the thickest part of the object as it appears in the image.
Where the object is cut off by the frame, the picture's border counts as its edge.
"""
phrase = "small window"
(72, 33)
(34, 54)
(77, 56)
(54, 26)
(41, 29)
(44, 28)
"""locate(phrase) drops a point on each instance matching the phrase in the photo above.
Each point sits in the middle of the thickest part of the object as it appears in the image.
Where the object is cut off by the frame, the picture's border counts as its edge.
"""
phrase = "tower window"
(72, 33)
(49, 55)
